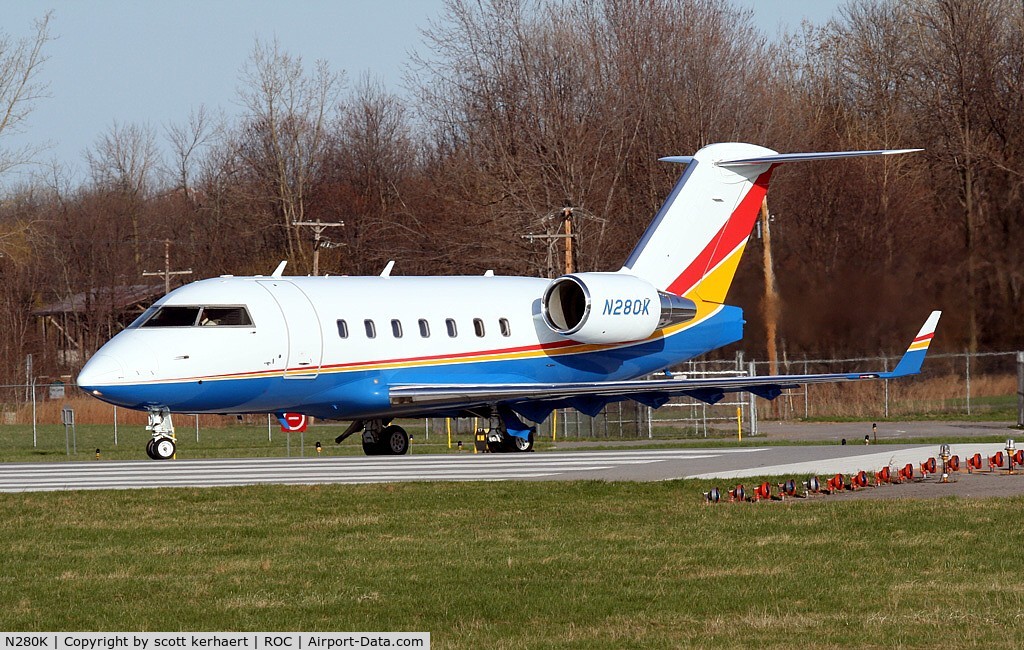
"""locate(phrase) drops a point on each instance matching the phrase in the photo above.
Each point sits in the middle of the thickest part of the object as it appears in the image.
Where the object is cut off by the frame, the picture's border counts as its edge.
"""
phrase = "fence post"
(967, 356)
(1020, 389)
(753, 403)
(885, 365)
(807, 390)
(34, 438)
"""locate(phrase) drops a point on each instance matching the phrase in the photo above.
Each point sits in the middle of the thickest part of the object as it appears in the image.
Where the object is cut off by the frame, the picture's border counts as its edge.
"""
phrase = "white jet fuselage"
(333, 346)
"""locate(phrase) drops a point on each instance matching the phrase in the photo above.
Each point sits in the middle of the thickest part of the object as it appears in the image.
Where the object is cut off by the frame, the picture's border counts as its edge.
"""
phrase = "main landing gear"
(505, 433)
(379, 437)
(162, 445)
(501, 440)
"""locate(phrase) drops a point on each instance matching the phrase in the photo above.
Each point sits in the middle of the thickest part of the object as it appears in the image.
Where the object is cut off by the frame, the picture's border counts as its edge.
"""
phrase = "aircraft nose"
(100, 370)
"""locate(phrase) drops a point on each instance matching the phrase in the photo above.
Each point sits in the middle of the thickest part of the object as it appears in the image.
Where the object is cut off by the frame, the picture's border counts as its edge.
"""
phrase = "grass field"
(518, 565)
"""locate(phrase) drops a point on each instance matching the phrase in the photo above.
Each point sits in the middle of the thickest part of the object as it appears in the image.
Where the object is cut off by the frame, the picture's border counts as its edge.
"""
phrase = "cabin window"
(424, 328)
(503, 325)
(478, 326)
(342, 328)
(452, 330)
(173, 317)
(396, 328)
(225, 316)
(371, 329)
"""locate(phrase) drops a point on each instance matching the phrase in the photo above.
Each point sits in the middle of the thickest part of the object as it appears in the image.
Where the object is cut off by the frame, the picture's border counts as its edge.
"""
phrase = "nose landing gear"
(162, 445)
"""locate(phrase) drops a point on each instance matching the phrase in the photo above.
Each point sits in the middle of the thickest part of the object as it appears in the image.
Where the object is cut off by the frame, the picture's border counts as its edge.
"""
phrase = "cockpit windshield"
(195, 316)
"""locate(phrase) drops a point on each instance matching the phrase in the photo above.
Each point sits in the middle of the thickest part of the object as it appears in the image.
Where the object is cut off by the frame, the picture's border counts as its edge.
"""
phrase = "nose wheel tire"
(160, 448)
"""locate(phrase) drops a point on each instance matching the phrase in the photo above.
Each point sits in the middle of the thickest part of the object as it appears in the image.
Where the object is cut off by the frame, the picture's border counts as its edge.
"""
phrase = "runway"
(630, 465)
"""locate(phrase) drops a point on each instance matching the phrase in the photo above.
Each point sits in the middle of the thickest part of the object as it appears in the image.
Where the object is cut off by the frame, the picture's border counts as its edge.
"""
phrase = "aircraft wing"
(537, 400)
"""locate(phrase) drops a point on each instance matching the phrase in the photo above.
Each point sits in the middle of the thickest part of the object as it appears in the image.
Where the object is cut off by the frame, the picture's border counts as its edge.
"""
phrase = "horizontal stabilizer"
(779, 158)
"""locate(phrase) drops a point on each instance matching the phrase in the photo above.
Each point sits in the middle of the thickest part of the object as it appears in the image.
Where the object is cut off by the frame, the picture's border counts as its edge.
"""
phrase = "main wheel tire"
(163, 448)
(395, 440)
(521, 444)
(149, 449)
(372, 448)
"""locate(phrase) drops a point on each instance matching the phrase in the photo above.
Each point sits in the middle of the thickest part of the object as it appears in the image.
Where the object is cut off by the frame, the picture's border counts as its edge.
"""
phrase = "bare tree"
(288, 115)
(186, 140)
(370, 159)
(21, 61)
(123, 163)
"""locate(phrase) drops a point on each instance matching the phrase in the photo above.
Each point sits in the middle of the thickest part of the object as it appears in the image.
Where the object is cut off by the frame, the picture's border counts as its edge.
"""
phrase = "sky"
(153, 62)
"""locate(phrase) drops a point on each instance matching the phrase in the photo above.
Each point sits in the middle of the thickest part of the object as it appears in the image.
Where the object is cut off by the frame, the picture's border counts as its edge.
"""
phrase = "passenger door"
(305, 336)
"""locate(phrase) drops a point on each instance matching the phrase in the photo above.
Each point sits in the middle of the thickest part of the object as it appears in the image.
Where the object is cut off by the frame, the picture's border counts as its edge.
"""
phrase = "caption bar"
(213, 640)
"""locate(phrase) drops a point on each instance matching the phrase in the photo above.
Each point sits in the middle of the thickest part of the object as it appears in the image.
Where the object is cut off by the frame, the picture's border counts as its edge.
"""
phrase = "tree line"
(520, 108)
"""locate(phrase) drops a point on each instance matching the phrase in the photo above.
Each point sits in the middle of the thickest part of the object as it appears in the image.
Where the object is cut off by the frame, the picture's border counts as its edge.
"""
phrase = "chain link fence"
(980, 386)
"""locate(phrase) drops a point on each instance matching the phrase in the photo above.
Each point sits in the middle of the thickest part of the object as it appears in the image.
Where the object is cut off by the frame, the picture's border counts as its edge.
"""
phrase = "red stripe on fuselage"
(736, 229)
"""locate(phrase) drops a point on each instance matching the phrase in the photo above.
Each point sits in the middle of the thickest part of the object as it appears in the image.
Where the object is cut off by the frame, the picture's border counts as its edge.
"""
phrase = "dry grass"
(911, 397)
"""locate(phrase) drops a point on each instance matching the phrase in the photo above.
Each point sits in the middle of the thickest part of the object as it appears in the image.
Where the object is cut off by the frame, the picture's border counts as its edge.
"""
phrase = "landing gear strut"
(378, 440)
(500, 439)
(162, 445)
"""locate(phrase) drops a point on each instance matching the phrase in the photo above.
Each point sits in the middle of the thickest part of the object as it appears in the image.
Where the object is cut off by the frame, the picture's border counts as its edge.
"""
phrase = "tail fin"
(695, 243)
(912, 359)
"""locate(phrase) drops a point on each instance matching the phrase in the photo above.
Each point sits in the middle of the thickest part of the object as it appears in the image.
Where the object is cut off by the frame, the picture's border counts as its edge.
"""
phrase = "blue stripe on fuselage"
(352, 395)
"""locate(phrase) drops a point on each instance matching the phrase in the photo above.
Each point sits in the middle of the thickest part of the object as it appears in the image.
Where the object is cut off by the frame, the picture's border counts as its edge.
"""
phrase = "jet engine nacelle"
(610, 307)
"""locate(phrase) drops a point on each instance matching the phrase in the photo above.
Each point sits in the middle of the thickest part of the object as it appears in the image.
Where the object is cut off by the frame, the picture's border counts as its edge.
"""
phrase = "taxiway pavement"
(624, 465)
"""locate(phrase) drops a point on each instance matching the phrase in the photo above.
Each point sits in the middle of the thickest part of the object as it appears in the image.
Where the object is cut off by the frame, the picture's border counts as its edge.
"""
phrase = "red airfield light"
(906, 473)
(995, 462)
(974, 463)
(763, 491)
(928, 467)
(837, 483)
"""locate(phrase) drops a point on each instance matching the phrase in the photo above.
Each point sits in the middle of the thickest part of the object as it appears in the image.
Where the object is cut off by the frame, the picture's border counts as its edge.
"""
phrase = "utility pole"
(166, 271)
(771, 299)
(567, 220)
(318, 229)
(771, 295)
(553, 237)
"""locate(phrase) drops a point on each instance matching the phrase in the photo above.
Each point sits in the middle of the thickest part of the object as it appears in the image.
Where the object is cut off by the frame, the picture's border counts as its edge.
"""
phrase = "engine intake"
(610, 307)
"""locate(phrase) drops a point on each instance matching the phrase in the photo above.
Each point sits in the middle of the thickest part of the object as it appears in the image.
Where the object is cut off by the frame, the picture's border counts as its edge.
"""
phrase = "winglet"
(912, 359)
